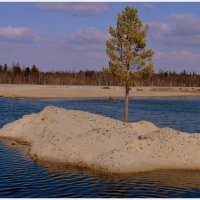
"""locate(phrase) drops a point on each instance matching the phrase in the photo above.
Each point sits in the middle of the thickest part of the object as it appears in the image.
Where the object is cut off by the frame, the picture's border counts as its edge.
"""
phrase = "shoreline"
(92, 92)
(99, 98)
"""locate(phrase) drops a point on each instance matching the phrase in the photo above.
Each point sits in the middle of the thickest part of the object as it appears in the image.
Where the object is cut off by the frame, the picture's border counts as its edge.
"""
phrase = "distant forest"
(32, 75)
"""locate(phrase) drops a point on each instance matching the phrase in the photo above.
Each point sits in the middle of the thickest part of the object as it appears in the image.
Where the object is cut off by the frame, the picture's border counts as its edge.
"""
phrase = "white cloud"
(20, 34)
(88, 36)
(77, 9)
(177, 60)
(83, 49)
(148, 7)
(182, 55)
(86, 41)
(178, 30)
(187, 24)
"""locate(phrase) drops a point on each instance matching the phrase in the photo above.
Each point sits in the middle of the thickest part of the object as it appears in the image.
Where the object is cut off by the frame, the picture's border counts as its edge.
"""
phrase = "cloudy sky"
(71, 36)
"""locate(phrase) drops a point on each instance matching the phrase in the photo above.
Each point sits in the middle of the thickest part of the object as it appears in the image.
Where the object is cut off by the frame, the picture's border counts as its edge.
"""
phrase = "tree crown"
(126, 47)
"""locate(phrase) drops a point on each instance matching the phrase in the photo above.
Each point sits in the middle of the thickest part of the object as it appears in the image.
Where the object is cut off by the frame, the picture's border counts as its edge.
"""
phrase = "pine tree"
(126, 48)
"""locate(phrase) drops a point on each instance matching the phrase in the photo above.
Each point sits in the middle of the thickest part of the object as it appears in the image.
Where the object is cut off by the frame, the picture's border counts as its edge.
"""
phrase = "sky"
(71, 36)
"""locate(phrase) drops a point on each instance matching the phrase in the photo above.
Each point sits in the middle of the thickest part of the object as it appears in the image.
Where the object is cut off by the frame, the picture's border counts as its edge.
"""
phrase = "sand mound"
(102, 143)
(143, 127)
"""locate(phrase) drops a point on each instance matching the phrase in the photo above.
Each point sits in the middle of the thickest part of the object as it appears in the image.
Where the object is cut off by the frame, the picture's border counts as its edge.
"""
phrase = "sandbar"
(103, 144)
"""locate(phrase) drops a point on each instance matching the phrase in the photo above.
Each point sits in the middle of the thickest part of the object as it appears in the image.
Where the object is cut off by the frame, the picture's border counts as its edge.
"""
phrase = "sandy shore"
(103, 144)
(53, 91)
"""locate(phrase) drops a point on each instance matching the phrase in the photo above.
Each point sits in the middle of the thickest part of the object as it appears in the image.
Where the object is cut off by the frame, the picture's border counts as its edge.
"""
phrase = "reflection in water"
(21, 177)
(154, 184)
(172, 178)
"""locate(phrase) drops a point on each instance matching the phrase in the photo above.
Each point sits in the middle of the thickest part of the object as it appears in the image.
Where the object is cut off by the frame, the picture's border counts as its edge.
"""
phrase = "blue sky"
(71, 36)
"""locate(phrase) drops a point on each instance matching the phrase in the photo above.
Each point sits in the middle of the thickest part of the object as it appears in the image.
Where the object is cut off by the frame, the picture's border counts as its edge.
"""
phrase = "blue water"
(21, 177)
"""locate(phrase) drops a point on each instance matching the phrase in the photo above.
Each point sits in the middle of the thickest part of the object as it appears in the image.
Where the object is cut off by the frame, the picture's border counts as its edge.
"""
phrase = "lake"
(21, 177)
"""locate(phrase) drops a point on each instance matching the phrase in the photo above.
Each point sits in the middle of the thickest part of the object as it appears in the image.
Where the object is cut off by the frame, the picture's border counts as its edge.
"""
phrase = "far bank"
(66, 91)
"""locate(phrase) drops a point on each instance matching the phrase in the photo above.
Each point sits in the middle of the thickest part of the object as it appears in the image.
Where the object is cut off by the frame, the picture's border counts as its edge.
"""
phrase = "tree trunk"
(126, 103)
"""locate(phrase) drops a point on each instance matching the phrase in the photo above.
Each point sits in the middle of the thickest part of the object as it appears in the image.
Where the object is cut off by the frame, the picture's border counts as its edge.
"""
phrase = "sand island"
(101, 143)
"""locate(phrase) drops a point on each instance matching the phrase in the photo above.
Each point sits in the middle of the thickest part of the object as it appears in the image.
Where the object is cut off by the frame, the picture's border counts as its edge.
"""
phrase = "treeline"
(174, 79)
(32, 75)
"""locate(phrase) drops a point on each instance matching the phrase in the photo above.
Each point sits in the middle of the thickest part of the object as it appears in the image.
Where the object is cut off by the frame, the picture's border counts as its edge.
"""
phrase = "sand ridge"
(102, 143)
